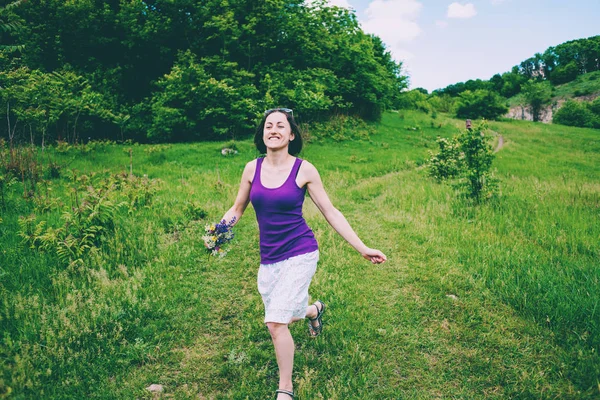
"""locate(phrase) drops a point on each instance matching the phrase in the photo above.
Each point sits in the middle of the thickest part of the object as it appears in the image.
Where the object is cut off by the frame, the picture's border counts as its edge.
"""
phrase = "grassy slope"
(584, 85)
(498, 301)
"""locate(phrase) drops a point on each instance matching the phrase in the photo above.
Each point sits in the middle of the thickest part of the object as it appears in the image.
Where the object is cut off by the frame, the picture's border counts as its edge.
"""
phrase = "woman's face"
(277, 133)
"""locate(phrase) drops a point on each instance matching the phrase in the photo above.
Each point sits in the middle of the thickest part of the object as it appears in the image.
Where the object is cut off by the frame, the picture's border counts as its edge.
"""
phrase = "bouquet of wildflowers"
(217, 235)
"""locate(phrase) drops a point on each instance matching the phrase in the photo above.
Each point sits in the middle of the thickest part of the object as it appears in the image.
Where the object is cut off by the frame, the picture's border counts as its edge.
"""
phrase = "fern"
(29, 231)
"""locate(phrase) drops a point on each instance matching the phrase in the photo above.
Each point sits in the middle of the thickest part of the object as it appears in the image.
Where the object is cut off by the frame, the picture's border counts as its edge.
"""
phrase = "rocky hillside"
(585, 88)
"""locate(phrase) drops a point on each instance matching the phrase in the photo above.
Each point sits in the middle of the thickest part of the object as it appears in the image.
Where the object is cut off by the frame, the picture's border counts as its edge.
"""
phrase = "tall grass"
(494, 301)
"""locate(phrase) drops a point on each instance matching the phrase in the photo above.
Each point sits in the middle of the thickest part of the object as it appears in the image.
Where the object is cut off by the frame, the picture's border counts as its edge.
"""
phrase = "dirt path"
(500, 144)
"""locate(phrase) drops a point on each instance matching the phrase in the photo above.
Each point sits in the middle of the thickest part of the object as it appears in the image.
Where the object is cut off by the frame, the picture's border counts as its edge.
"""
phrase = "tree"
(191, 104)
(313, 58)
(9, 25)
(481, 104)
(565, 73)
(536, 95)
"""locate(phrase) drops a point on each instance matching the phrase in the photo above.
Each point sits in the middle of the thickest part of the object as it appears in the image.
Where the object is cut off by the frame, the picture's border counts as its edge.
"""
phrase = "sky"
(441, 42)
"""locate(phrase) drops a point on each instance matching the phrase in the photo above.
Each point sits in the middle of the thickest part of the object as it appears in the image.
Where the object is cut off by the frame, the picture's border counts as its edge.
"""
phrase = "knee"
(276, 329)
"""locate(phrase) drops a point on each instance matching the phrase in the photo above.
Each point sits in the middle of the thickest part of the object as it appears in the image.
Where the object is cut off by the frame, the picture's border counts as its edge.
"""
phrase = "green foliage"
(194, 211)
(576, 113)
(536, 95)
(84, 228)
(149, 299)
(414, 100)
(481, 104)
(339, 128)
(184, 70)
(587, 83)
(565, 73)
(466, 160)
(442, 103)
(448, 162)
(91, 219)
(37, 101)
(191, 104)
(7, 180)
(10, 25)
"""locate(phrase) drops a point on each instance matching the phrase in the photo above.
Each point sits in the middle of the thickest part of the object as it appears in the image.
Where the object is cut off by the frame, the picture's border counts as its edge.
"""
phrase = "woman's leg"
(284, 351)
(311, 312)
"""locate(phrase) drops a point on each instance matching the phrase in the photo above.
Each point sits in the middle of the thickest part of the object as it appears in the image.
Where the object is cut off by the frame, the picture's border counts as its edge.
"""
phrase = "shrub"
(465, 160)
(340, 128)
(574, 113)
(582, 92)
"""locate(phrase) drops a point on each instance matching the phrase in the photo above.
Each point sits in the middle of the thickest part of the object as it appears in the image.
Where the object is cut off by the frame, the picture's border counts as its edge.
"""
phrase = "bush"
(465, 160)
(582, 92)
(574, 113)
(340, 128)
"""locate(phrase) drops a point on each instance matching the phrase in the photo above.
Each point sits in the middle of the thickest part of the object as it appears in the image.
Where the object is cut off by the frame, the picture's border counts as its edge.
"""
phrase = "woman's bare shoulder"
(249, 170)
(308, 167)
(308, 172)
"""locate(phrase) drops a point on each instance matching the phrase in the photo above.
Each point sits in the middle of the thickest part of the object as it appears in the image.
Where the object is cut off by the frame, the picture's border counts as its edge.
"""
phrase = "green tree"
(481, 104)
(414, 100)
(190, 104)
(536, 95)
(564, 74)
(9, 25)
(313, 58)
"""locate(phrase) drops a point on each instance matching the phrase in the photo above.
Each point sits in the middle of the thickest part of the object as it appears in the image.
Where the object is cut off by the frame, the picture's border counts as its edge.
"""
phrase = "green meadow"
(492, 301)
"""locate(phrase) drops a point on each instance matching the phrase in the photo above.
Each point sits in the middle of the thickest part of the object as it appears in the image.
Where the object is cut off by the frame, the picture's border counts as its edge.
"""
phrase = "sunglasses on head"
(285, 110)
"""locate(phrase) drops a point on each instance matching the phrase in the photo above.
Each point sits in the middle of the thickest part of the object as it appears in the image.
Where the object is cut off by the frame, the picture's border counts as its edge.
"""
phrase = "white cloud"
(339, 3)
(457, 10)
(395, 22)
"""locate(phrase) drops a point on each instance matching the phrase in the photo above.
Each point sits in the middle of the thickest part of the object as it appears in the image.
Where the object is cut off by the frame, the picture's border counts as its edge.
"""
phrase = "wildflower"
(217, 235)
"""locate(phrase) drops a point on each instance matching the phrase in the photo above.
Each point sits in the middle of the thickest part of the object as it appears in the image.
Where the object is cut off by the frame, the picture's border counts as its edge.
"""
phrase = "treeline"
(533, 79)
(181, 70)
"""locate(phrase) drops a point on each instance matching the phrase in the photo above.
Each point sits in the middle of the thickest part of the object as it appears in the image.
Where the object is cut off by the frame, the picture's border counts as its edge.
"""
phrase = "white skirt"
(284, 287)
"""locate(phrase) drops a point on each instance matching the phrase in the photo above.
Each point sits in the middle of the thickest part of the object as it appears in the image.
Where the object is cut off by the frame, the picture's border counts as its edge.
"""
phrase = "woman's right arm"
(243, 196)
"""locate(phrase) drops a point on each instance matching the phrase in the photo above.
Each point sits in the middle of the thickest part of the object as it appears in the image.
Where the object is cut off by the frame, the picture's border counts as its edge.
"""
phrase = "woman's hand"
(374, 255)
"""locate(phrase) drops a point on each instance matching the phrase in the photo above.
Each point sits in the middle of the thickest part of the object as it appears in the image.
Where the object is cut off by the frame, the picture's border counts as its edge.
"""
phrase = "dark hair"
(295, 145)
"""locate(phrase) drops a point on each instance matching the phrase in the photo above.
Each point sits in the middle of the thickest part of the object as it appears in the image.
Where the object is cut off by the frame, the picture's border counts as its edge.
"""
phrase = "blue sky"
(445, 42)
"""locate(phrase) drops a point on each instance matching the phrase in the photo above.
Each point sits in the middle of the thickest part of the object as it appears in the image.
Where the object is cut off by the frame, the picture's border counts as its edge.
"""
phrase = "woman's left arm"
(335, 218)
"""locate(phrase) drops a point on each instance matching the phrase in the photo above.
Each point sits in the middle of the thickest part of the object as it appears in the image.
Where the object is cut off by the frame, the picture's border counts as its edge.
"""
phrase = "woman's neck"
(278, 158)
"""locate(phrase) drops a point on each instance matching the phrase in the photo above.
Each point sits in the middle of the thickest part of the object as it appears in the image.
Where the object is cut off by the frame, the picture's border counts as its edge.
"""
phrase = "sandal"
(291, 394)
(315, 331)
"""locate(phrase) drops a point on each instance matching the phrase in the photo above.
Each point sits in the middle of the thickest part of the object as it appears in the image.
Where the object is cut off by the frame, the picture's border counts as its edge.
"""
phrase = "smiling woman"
(276, 185)
(278, 115)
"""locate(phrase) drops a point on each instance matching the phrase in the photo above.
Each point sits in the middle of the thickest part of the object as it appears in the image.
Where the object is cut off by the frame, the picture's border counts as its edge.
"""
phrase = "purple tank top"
(283, 230)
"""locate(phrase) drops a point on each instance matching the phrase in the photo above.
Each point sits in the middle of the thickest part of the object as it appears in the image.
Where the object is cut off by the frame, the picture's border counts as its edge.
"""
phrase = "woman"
(276, 186)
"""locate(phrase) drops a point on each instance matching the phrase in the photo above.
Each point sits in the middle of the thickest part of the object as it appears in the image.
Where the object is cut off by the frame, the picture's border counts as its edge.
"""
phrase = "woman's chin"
(276, 146)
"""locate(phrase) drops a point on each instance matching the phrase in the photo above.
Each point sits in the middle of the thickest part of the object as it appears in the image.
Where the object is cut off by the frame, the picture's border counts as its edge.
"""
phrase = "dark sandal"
(315, 331)
(291, 394)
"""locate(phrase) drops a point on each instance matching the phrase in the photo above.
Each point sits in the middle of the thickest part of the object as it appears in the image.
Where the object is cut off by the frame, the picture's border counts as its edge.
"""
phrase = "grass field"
(494, 301)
